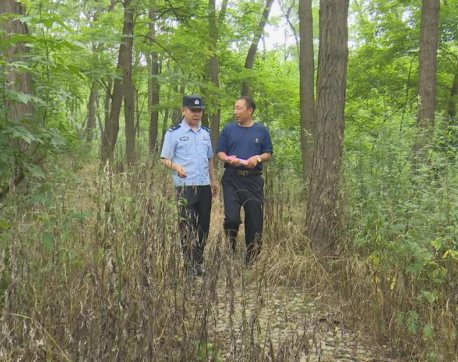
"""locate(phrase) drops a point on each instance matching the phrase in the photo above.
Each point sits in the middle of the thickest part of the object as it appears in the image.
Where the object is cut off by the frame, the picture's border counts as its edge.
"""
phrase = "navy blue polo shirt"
(244, 142)
(190, 149)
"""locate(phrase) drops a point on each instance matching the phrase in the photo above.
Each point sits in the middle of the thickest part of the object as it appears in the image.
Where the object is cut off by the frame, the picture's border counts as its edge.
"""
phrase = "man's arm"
(167, 162)
(265, 157)
(233, 160)
(253, 161)
(181, 172)
(221, 156)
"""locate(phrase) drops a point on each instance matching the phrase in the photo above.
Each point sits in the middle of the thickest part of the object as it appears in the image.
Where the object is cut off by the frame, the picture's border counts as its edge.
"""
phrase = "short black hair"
(249, 102)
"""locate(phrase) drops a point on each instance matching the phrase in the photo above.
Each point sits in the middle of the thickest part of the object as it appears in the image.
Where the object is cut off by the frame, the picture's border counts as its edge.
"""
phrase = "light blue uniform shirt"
(190, 149)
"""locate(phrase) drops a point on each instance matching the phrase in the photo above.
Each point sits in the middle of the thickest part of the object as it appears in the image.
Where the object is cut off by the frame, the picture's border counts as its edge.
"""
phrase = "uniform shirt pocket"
(204, 147)
(182, 148)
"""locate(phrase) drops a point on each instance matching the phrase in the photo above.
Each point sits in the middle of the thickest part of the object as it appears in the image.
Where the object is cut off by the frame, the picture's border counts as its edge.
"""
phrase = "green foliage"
(402, 224)
(48, 130)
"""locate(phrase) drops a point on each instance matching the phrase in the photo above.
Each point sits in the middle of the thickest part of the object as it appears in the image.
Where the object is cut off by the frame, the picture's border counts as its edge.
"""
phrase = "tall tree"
(153, 86)
(129, 92)
(19, 85)
(91, 111)
(213, 32)
(429, 34)
(453, 95)
(16, 81)
(254, 45)
(110, 135)
(322, 218)
(307, 86)
(94, 92)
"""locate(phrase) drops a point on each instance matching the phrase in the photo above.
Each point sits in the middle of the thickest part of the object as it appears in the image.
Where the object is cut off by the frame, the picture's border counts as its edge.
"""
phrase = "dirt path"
(282, 324)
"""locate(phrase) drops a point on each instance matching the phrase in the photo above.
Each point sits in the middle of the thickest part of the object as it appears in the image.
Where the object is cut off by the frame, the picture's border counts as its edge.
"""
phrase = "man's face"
(192, 116)
(241, 112)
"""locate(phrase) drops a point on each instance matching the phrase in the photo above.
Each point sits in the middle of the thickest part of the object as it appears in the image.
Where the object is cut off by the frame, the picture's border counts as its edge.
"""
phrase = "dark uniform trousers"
(244, 191)
(195, 203)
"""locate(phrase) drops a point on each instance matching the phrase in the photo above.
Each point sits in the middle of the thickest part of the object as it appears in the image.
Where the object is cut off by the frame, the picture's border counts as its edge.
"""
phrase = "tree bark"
(19, 83)
(453, 96)
(107, 106)
(91, 109)
(204, 120)
(128, 91)
(254, 45)
(154, 88)
(429, 34)
(213, 31)
(165, 124)
(112, 126)
(322, 217)
(307, 87)
(16, 82)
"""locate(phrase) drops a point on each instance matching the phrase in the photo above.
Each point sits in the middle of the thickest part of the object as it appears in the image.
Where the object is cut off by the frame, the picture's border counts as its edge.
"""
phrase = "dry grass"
(93, 272)
(96, 274)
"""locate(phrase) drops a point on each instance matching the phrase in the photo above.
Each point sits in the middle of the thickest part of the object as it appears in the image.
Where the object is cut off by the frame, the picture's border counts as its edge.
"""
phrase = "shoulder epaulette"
(174, 128)
(206, 128)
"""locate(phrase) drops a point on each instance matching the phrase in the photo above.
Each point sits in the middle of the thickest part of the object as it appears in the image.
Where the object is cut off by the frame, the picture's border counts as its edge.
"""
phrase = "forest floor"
(259, 314)
(263, 313)
(281, 323)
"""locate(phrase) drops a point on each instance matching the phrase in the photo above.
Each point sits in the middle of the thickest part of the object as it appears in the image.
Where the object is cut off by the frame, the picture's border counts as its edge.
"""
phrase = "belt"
(244, 173)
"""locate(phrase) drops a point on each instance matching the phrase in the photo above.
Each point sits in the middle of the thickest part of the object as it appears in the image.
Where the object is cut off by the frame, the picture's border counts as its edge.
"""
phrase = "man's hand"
(181, 172)
(252, 162)
(234, 161)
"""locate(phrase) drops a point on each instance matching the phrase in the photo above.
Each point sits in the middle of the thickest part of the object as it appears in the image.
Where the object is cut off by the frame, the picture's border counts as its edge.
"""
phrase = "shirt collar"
(187, 128)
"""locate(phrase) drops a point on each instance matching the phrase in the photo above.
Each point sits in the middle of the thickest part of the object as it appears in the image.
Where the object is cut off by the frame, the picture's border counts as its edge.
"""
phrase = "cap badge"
(196, 102)
(256, 140)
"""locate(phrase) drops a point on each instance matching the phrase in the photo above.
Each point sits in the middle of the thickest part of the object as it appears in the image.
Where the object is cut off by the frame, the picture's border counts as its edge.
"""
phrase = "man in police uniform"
(244, 146)
(187, 151)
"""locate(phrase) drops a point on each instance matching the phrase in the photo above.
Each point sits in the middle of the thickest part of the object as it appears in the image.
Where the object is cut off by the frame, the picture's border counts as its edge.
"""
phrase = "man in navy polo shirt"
(243, 146)
(187, 151)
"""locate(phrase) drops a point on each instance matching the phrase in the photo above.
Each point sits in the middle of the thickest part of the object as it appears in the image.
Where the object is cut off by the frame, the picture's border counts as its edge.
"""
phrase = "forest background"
(361, 196)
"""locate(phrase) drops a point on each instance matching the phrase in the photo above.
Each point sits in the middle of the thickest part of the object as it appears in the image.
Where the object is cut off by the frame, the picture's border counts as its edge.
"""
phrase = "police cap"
(193, 101)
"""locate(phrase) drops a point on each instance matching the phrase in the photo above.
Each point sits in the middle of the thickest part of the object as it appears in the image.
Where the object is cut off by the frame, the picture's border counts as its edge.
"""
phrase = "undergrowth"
(91, 270)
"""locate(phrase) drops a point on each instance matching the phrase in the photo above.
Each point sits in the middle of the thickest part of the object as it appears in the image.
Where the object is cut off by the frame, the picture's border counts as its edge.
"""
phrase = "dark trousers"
(246, 192)
(194, 204)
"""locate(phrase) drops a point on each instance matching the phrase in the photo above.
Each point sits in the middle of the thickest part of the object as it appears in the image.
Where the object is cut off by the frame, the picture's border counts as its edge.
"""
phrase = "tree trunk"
(19, 83)
(429, 34)
(129, 93)
(204, 119)
(112, 126)
(91, 109)
(453, 96)
(106, 106)
(213, 31)
(138, 113)
(16, 82)
(214, 127)
(154, 88)
(254, 45)
(453, 134)
(307, 86)
(322, 217)
(165, 124)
